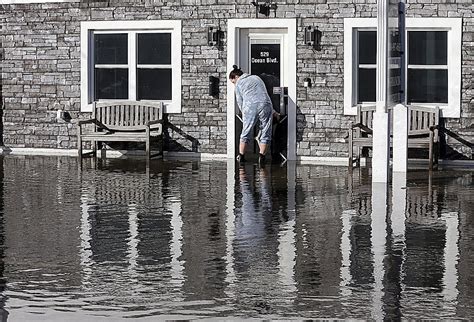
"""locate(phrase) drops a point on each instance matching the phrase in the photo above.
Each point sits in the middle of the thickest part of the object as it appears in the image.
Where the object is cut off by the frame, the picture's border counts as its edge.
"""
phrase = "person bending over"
(254, 103)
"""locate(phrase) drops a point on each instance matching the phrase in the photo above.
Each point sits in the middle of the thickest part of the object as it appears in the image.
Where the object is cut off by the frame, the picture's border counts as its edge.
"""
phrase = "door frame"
(233, 52)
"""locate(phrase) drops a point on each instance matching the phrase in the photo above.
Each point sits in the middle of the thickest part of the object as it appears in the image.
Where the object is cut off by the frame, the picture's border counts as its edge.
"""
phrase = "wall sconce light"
(307, 82)
(213, 86)
(312, 37)
(264, 8)
(213, 36)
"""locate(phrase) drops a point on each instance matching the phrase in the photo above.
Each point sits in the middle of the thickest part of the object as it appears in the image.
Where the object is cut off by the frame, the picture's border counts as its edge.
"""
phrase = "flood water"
(191, 240)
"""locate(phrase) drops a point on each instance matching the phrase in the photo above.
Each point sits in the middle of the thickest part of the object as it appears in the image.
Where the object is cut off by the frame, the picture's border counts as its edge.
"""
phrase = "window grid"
(132, 54)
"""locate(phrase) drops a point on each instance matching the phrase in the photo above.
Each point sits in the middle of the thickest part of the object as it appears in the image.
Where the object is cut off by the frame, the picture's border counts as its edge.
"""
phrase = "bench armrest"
(85, 122)
(363, 127)
(93, 121)
(152, 122)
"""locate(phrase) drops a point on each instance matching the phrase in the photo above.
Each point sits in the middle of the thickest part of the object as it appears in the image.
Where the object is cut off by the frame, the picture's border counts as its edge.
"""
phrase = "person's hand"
(276, 116)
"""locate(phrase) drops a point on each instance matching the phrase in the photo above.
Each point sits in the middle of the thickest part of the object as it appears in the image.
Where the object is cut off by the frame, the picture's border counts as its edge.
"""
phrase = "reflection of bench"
(423, 123)
(122, 121)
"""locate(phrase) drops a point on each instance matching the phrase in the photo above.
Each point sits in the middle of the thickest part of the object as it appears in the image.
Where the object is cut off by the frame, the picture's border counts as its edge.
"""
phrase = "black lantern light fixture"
(312, 37)
(213, 36)
(213, 86)
(264, 8)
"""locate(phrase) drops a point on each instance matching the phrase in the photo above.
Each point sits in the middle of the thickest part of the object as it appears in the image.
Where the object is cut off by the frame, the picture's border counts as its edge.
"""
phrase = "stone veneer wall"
(41, 68)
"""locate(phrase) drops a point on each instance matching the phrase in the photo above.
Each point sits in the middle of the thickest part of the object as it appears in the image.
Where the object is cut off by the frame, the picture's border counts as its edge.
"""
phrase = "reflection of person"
(254, 103)
(256, 200)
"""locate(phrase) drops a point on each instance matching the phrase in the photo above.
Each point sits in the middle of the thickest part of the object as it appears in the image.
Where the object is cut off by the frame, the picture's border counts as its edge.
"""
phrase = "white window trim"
(454, 28)
(88, 27)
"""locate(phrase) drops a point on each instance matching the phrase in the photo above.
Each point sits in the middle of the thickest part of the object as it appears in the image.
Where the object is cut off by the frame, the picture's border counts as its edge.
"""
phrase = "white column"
(133, 240)
(378, 237)
(230, 229)
(451, 258)
(176, 245)
(287, 237)
(85, 251)
(381, 136)
(346, 250)
(399, 202)
(400, 138)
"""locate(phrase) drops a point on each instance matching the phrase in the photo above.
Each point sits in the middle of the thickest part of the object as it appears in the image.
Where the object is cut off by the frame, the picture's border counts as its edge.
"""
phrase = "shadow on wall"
(463, 150)
(300, 124)
(170, 144)
(2, 104)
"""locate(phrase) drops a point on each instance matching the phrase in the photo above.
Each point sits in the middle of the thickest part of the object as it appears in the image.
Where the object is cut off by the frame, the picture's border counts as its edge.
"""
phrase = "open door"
(266, 49)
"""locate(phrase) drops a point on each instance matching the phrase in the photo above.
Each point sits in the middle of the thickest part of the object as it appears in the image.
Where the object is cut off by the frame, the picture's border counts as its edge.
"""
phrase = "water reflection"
(211, 239)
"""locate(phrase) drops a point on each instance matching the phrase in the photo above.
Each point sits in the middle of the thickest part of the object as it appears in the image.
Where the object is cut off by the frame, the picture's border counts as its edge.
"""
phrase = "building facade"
(65, 55)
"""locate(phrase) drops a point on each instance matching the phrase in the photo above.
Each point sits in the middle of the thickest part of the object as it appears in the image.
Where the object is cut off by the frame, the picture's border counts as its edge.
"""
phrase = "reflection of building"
(3, 311)
(466, 228)
(40, 203)
(287, 241)
(203, 229)
(412, 257)
(320, 203)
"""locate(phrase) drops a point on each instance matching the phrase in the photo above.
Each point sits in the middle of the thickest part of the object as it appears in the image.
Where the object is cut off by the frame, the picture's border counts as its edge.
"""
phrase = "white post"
(378, 239)
(400, 138)
(381, 141)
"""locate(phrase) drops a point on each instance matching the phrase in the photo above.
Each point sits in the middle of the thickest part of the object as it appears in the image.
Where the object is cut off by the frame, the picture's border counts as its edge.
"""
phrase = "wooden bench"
(423, 125)
(122, 121)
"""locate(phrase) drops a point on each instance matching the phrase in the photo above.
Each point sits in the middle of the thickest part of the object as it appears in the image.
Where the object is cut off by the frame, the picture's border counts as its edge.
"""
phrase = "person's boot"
(240, 158)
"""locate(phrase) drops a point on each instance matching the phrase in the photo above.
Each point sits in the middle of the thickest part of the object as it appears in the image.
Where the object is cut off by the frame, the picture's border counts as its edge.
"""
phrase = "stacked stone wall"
(41, 69)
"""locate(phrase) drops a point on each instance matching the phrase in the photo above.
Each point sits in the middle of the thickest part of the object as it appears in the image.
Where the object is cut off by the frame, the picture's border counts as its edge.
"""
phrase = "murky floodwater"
(206, 239)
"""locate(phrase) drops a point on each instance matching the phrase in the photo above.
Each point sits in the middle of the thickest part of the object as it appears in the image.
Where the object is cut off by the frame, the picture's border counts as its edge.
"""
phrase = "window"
(131, 60)
(427, 67)
(366, 62)
(433, 63)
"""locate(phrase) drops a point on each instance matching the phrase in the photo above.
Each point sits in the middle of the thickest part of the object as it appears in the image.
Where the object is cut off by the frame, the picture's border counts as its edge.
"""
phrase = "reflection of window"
(131, 60)
(433, 63)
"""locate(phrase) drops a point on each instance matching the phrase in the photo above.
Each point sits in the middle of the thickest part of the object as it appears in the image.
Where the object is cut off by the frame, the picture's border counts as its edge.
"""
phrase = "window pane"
(366, 85)
(154, 48)
(154, 84)
(367, 47)
(111, 83)
(428, 47)
(427, 86)
(110, 48)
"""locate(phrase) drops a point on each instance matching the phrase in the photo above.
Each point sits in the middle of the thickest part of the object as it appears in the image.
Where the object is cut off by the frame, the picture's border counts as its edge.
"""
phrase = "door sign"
(265, 58)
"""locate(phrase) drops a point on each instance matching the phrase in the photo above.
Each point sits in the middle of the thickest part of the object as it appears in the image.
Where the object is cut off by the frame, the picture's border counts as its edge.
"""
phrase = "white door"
(263, 52)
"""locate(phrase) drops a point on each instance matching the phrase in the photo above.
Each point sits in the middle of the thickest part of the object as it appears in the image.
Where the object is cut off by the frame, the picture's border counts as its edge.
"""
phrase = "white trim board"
(233, 26)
